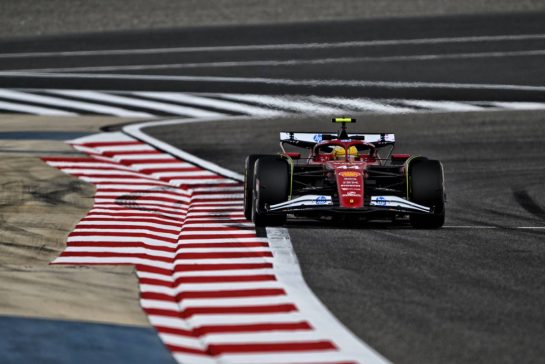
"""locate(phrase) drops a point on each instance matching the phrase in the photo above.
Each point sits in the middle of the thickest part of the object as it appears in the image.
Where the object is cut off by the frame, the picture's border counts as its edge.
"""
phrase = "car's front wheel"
(427, 189)
(271, 184)
(249, 182)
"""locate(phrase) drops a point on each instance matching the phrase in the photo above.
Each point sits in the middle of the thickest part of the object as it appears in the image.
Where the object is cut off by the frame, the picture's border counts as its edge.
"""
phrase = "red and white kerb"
(209, 285)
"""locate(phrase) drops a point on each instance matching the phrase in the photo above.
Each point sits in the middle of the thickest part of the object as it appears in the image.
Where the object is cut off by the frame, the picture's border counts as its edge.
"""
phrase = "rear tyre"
(271, 186)
(249, 183)
(427, 188)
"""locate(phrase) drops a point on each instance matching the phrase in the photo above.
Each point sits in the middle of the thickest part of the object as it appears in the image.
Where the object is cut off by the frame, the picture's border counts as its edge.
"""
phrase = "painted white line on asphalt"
(55, 101)
(297, 46)
(469, 227)
(136, 131)
(210, 102)
(519, 105)
(178, 97)
(290, 62)
(280, 81)
(124, 100)
(365, 105)
(30, 109)
(442, 105)
(302, 106)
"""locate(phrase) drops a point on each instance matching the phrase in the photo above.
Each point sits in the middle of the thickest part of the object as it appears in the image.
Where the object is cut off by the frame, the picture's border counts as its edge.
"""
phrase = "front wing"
(383, 203)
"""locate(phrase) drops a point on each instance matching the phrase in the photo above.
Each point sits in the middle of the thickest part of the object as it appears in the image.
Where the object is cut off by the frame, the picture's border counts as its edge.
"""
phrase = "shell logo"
(350, 174)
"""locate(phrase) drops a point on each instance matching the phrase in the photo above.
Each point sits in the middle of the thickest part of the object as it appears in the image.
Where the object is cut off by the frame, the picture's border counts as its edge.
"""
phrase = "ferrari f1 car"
(343, 175)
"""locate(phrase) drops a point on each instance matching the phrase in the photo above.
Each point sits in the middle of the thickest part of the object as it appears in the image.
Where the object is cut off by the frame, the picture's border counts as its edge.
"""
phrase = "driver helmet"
(339, 152)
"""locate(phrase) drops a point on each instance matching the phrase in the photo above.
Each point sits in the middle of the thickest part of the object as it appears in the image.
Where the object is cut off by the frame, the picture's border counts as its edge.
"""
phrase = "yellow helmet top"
(339, 151)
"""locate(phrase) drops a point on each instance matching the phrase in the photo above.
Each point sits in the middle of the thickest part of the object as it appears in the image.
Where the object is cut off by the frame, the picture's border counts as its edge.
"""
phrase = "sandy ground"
(39, 206)
(30, 17)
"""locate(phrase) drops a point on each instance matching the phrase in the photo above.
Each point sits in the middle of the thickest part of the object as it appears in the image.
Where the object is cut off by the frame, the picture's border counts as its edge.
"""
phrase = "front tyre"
(427, 188)
(249, 183)
(271, 186)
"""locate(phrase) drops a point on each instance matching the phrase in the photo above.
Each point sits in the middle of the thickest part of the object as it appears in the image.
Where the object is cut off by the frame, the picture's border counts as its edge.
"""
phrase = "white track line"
(514, 105)
(442, 105)
(278, 81)
(365, 105)
(292, 62)
(209, 102)
(29, 109)
(124, 100)
(136, 131)
(285, 46)
(177, 97)
(302, 106)
(59, 102)
(272, 104)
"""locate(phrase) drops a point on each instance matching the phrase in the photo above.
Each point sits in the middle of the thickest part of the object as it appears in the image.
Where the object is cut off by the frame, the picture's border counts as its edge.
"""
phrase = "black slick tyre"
(249, 183)
(271, 186)
(427, 189)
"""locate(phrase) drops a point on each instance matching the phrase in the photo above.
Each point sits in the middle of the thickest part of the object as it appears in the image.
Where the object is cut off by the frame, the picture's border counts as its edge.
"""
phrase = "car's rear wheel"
(271, 186)
(427, 188)
(249, 183)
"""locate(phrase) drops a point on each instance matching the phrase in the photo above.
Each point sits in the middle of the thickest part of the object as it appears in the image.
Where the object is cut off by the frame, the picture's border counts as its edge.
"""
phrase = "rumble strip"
(213, 289)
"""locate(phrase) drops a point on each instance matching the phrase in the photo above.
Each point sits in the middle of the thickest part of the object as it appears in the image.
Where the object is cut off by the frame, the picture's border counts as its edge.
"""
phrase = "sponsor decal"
(381, 201)
(350, 174)
(321, 200)
(317, 138)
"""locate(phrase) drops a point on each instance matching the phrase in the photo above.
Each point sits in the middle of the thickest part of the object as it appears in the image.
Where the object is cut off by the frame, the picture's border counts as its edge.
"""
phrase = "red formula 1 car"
(344, 175)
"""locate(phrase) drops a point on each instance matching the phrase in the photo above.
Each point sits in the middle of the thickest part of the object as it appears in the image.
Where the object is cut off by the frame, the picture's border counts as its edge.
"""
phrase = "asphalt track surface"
(28, 17)
(471, 292)
(493, 57)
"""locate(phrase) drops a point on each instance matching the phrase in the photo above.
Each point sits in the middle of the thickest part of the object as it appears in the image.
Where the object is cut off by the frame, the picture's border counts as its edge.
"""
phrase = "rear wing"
(309, 140)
